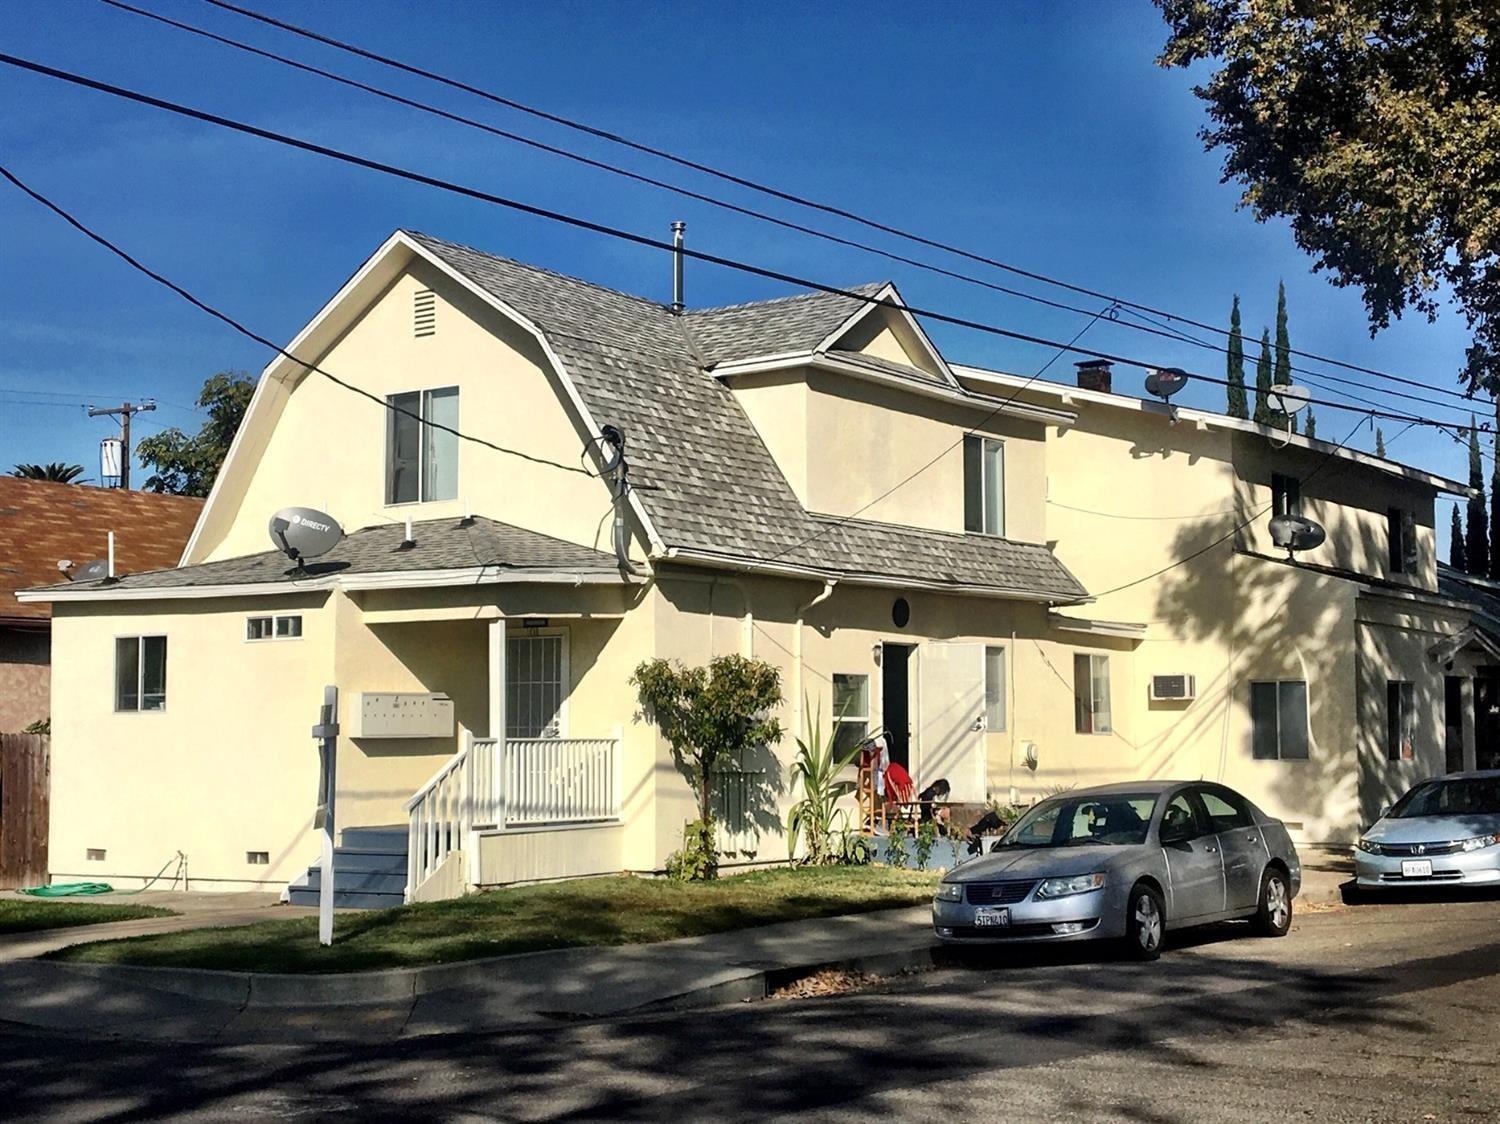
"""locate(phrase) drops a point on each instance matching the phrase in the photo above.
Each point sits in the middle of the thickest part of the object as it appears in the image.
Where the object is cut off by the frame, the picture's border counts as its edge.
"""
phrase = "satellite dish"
(612, 445)
(1287, 399)
(304, 532)
(1296, 532)
(94, 571)
(1164, 382)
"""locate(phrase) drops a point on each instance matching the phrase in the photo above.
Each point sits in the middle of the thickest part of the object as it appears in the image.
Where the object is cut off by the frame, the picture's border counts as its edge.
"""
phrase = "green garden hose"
(82, 889)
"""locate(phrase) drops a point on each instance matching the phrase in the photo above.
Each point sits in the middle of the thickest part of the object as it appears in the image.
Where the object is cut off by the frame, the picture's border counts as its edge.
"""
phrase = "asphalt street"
(1384, 1012)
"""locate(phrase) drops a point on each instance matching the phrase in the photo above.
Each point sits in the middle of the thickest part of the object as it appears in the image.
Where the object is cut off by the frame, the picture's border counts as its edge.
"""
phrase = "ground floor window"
(851, 711)
(1278, 720)
(141, 673)
(1400, 720)
(994, 689)
(1091, 693)
(535, 685)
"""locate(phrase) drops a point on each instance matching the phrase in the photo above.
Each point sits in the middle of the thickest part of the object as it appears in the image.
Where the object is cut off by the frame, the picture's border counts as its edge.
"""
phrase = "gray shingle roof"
(773, 327)
(440, 544)
(704, 476)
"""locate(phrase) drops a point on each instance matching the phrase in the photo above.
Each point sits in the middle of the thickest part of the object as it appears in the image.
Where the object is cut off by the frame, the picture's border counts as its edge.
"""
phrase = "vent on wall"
(424, 313)
(258, 858)
(1173, 688)
(95, 854)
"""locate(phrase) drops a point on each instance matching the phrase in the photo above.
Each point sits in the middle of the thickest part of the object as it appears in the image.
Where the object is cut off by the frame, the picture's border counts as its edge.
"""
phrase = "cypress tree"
(1456, 557)
(1379, 442)
(1494, 570)
(1312, 424)
(1263, 379)
(1283, 372)
(1236, 406)
(1476, 528)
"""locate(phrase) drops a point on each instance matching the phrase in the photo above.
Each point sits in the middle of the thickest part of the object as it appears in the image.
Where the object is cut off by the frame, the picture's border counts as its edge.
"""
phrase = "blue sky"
(1039, 134)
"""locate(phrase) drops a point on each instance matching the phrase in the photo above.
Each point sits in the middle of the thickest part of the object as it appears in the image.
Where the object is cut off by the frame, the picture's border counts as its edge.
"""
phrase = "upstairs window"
(984, 485)
(1278, 720)
(421, 460)
(1091, 693)
(1286, 495)
(1401, 530)
(140, 673)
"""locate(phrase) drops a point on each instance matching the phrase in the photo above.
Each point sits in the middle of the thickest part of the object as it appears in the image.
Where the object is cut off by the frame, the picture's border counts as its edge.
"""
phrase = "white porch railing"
(531, 782)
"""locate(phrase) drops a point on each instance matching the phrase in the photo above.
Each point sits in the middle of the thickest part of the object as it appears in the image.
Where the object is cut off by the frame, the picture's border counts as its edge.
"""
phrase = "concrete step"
(346, 899)
(360, 881)
(388, 837)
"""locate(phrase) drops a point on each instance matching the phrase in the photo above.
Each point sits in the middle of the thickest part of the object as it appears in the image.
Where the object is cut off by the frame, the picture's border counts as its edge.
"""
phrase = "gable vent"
(424, 312)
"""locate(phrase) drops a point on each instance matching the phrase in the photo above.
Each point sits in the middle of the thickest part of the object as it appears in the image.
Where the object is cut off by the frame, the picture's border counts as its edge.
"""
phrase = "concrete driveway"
(1370, 1013)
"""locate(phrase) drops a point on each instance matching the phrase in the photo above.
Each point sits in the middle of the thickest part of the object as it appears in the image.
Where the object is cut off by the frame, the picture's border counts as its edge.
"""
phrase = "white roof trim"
(1126, 629)
(898, 306)
(1207, 419)
(831, 362)
(390, 579)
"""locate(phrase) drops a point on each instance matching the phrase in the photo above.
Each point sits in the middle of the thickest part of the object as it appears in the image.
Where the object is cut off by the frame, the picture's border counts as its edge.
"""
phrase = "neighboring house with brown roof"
(44, 524)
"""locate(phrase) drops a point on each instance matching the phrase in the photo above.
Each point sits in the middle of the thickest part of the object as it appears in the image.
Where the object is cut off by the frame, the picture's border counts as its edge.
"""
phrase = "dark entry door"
(895, 701)
(1487, 722)
(1453, 723)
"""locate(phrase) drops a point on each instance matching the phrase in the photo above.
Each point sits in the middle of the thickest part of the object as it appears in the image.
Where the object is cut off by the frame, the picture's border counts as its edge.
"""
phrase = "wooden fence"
(25, 785)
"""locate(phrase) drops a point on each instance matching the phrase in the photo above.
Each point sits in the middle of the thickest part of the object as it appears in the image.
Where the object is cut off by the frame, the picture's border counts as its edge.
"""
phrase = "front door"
(952, 719)
(1453, 723)
(1487, 722)
(1195, 872)
(895, 701)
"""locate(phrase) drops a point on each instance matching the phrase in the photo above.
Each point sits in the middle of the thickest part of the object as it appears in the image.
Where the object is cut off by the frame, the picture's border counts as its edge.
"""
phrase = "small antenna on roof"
(679, 228)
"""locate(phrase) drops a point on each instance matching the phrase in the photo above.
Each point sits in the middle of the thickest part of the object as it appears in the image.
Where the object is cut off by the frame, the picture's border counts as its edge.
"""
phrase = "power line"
(678, 189)
(625, 235)
(777, 193)
(225, 318)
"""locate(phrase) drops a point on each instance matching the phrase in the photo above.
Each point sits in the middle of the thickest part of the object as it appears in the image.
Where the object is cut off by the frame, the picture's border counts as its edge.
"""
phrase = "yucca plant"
(817, 768)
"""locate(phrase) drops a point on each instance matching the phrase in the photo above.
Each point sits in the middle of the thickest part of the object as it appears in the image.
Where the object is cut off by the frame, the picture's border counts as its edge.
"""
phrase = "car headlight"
(950, 892)
(1367, 847)
(1064, 887)
(1480, 842)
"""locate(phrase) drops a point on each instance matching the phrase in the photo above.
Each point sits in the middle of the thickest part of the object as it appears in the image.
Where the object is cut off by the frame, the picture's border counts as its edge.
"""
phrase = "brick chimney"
(1094, 374)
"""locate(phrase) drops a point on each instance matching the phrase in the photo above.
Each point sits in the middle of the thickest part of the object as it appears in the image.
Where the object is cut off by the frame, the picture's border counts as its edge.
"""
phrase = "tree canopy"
(57, 471)
(1373, 127)
(188, 466)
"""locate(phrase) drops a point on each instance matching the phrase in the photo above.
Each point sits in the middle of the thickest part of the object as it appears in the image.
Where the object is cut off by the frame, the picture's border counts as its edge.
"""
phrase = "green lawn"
(18, 916)
(594, 911)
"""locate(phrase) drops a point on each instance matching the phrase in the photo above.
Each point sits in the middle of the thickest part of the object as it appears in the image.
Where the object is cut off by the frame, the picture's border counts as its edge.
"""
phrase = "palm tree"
(56, 471)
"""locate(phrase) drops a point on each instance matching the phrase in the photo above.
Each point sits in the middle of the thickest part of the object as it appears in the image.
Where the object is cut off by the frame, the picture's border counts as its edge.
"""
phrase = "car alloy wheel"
(1273, 917)
(1145, 924)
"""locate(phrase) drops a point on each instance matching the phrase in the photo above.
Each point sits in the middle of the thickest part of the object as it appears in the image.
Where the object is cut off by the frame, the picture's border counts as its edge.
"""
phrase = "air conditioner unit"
(1174, 688)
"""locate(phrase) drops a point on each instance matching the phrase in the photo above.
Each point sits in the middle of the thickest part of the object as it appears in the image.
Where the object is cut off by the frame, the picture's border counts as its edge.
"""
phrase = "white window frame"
(986, 445)
(564, 673)
(850, 719)
(140, 674)
(276, 633)
(1306, 709)
(424, 434)
(1093, 703)
(1001, 699)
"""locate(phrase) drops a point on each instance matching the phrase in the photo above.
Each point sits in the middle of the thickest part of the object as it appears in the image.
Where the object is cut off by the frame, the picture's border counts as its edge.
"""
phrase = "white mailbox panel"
(392, 715)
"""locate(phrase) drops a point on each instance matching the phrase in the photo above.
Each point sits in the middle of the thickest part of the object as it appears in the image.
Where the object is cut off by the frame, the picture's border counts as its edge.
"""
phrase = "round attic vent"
(901, 613)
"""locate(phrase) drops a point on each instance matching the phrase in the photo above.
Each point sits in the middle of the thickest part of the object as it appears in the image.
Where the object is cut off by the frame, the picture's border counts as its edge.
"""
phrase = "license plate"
(987, 916)
(1416, 868)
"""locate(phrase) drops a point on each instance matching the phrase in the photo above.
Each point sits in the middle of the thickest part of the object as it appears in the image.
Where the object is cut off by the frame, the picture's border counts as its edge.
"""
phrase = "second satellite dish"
(1287, 399)
(304, 532)
(1166, 381)
(1296, 532)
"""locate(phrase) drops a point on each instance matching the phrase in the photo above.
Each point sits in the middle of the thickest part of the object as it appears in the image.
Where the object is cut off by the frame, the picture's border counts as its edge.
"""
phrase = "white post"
(327, 733)
(497, 718)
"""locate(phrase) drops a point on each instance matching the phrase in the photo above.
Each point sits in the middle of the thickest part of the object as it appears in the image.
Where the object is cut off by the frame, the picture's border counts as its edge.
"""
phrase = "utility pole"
(123, 412)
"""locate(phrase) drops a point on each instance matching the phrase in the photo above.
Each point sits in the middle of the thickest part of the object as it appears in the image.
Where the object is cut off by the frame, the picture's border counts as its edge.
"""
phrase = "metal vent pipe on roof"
(678, 229)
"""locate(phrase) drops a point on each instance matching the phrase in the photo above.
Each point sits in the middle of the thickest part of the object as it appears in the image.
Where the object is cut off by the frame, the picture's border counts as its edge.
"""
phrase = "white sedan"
(1444, 832)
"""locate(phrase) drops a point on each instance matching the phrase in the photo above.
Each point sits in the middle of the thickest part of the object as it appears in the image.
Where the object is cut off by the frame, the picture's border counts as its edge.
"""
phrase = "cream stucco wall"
(321, 446)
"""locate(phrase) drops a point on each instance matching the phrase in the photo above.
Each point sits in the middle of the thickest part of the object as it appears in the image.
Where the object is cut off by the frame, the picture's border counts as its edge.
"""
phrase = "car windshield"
(1465, 796)
(1119, 819)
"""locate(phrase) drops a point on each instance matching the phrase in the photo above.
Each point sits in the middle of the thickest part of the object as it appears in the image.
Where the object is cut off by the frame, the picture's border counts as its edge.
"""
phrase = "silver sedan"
(1444, 832)
(1125, 862)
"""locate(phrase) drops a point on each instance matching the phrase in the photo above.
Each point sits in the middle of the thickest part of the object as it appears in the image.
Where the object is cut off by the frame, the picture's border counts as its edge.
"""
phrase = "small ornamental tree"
(709, 715)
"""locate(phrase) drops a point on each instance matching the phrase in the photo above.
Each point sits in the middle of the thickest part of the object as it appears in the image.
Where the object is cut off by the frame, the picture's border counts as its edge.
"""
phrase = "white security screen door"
(951, 706)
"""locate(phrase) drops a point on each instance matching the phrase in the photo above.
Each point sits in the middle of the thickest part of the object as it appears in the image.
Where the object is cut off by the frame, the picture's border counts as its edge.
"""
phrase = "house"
(44, 526)
(809, 482)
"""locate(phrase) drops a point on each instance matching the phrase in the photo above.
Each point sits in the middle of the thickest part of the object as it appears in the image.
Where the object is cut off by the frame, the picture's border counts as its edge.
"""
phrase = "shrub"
(855, 849)
(926, 839)
(817, 768)
(895, 844)
(698, 861)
